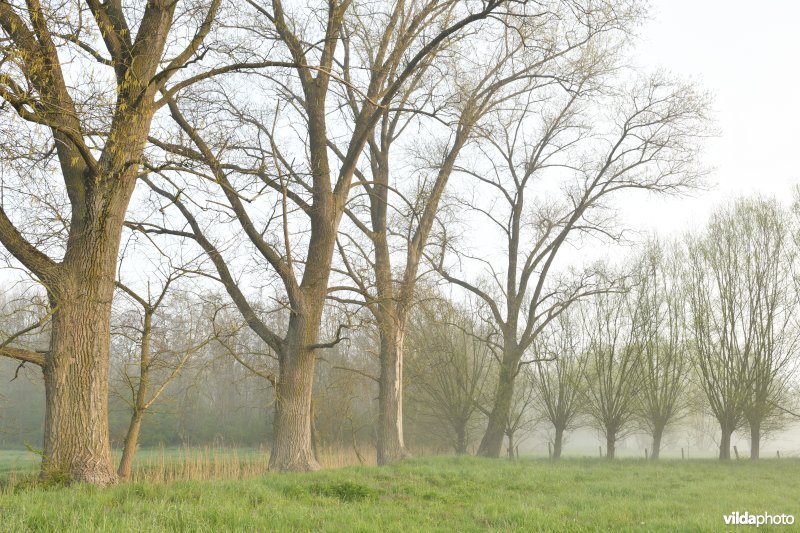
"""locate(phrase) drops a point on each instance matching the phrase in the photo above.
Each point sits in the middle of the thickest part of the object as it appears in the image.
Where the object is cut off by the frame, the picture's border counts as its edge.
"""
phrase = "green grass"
(17, 462)
(431, 494)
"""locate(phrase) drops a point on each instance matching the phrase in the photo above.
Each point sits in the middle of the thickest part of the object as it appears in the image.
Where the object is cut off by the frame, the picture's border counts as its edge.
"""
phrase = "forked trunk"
(76, 440)
(292, 449)
(558, 443)
(492, 441)
(755, 440)
(390, 400)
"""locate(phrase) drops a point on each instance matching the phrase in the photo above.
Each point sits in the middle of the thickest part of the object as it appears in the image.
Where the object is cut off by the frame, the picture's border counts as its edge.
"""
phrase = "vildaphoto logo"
(747, 519)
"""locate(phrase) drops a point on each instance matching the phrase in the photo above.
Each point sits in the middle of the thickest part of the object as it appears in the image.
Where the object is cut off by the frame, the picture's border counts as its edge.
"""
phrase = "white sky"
(748, 55)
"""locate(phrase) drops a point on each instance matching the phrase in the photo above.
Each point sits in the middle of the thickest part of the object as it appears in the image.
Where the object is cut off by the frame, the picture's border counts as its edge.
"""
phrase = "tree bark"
(140, 400)
(558, 443)
(292, 449)
(658, 433)
(492, 440)
(755, 440)
(129, 448)
(76, 438)
(391, 446)
(611, 444)
(725, 444)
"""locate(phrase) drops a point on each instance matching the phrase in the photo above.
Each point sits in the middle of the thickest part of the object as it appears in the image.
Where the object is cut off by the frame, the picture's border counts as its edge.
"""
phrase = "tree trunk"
(510, 445)
(755, 440)
(76, 441)
(492, 440)
(611, 444)
(292, 450)
(725, 444)
(140, 399)
(658, 432)
(390, 399)
(131, 443)
(559, 441)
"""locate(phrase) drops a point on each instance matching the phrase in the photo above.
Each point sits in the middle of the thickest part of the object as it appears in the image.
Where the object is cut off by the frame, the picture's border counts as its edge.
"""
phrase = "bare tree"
(83, 80)
(612, 374)
(662, 335)
(162, 351)
(558, 377)
(247, 158)
(648, 143)
(520, 55)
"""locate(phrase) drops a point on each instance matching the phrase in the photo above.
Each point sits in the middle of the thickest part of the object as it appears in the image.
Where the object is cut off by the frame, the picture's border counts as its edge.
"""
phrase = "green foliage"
(432, 494)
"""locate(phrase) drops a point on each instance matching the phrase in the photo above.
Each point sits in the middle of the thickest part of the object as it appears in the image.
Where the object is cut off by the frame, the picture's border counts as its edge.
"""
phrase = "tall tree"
(161, 336)
(519, 55)
(92, 133)
(553, 143)
(662, 335)
(612, 374)
(248, 153)
(558, 376)
(742, 303)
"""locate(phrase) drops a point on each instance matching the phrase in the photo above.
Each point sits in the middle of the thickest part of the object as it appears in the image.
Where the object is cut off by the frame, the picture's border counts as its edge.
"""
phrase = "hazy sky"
(748, 55)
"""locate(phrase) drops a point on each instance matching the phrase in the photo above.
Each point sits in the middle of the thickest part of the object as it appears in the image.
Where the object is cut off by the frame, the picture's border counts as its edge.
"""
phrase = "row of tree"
(710, 321)
(705, 325)
(625, 361)
(299, 155)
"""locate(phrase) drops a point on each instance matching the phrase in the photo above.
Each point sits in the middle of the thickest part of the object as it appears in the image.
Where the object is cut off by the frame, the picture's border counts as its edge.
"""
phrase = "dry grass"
(204, 463)
(166, 465)
(196, 464)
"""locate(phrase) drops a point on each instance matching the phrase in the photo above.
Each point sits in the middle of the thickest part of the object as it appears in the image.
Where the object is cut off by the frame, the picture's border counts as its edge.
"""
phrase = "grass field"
(430, 494)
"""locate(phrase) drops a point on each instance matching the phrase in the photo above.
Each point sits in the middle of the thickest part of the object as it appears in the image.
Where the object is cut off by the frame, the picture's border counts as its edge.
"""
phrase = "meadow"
(423, 494)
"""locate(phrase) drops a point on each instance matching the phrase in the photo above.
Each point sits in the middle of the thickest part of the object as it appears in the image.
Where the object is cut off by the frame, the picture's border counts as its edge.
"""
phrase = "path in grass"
(435, 494)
